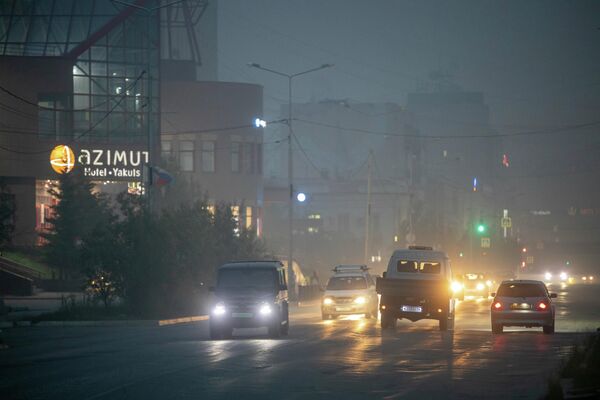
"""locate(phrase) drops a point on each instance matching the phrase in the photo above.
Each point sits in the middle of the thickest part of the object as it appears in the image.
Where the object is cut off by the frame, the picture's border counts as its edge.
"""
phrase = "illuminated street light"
(290, 77)
(260, 123)
(301, 197)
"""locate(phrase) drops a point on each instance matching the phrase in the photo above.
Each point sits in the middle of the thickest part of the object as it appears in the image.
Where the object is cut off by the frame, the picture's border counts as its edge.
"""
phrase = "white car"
(351, 290)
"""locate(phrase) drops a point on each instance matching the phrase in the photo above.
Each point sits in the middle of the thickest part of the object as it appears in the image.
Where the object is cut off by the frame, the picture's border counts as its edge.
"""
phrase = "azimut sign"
(101, 163)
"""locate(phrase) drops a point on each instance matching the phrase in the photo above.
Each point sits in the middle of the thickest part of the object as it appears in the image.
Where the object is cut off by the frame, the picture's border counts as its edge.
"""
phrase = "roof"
(522, 281)
(267, 264)
(420, 254)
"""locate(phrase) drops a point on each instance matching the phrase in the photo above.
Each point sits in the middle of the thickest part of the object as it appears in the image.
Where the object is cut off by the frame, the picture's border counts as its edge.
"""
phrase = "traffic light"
(481, 228)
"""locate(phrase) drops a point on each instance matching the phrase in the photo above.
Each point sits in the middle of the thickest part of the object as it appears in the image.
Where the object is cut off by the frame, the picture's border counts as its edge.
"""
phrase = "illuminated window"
(314, 216)
(313, 229)
(186, 155)
(208, 156)
(249, 217)
(235, 213)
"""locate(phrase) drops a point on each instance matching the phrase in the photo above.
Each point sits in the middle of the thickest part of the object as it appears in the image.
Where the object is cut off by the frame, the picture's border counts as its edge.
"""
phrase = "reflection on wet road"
(348, 358)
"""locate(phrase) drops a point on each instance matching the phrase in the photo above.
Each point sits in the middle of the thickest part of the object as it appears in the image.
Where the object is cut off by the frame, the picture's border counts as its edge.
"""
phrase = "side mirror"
(384, 274)
(211, 289)
(553, 295)
(493, 294)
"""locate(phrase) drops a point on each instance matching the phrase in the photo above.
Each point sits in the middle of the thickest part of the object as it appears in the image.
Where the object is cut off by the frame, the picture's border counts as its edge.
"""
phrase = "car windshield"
(522, 290)
(347, 283)
(424, 267)
(240, 278)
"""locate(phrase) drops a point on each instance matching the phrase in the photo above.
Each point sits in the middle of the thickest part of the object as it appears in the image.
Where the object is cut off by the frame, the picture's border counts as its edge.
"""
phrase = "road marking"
(183, 320)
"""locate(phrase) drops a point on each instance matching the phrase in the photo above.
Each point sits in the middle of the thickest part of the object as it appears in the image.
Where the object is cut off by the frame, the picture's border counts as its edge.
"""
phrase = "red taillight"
(497, 305)
(542, 305)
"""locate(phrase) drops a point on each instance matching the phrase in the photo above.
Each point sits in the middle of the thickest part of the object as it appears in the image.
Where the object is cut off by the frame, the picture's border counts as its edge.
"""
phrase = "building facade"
(81, 87)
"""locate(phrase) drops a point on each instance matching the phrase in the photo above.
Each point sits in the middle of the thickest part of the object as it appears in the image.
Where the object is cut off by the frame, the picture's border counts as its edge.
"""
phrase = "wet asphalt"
(349, 358)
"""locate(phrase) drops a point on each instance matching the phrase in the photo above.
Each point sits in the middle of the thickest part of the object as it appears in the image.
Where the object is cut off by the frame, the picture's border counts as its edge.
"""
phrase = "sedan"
(523, 303)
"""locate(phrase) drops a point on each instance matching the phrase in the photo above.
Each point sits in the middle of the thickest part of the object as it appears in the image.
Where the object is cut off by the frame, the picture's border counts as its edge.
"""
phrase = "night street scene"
(299, 199)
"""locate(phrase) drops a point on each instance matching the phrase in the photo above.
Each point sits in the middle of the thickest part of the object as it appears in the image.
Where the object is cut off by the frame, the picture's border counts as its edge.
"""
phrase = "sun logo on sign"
(62, 159)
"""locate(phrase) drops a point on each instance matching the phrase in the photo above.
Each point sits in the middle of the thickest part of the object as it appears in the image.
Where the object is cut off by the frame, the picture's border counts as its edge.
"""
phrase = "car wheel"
(275, 329)
(215, 334)
(227, 333)
(443, 324)
(497, 328)
(387, 321)
(549, 329)
(285, 329)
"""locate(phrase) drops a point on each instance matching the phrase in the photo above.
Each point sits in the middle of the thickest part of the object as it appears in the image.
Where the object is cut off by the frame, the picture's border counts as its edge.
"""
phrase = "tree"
(73, 219)
(7, 215)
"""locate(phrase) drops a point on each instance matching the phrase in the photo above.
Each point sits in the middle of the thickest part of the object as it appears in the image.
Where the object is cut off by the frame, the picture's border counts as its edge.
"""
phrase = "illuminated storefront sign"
(100, 163)
(62, 159)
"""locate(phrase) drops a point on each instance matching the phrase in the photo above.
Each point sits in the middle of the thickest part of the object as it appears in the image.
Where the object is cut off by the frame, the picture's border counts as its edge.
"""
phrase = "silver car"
(523, 303)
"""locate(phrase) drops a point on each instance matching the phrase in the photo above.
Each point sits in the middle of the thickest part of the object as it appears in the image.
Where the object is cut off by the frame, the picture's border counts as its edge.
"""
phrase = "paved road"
(345, 359)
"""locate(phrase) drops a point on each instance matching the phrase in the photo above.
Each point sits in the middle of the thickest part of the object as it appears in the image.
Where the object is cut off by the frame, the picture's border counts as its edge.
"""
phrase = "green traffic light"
(481, 228)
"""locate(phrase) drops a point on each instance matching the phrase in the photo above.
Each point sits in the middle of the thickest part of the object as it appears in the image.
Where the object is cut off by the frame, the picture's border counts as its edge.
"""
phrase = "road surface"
(350, 358)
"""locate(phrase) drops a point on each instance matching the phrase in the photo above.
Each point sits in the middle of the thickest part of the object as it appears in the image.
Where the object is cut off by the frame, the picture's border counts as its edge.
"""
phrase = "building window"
(249, 217)
(51, 119)
(259, 161)
(208, 156)
(235, 156)
(248, 158)
(166, 150)
(235, 214)
(186, 155)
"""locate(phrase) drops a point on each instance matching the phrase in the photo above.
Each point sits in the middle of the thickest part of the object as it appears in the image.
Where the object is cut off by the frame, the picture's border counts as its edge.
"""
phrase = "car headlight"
(265, 309)
(591, 278)
(480, 286)
(488, 283)
(563, 276)
(456, 287)
(328, 301)
(219, 309)
(360, 300)
(548, 276)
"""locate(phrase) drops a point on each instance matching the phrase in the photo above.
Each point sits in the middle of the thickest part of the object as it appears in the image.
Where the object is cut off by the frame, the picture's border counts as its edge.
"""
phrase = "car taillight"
(496, 305)
(542, 306)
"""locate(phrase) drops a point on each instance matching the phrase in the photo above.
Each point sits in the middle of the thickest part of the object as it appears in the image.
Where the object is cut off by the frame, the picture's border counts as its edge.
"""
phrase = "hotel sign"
(101, 163)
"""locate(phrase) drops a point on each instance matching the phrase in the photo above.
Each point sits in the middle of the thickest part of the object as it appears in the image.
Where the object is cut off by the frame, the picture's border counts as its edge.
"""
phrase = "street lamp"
(292, 278)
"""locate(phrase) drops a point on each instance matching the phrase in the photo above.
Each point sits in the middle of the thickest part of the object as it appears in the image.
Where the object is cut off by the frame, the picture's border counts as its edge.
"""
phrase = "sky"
(537, 62)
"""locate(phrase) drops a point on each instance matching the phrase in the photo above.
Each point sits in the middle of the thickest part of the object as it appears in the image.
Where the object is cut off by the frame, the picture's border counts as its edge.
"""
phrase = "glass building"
(114, 50)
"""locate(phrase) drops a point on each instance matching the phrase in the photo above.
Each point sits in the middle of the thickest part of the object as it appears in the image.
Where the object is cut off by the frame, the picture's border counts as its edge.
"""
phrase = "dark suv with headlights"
(250, 294)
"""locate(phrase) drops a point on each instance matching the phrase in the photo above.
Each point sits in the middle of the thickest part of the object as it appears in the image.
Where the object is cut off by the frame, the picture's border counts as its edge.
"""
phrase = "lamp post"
(290, 77)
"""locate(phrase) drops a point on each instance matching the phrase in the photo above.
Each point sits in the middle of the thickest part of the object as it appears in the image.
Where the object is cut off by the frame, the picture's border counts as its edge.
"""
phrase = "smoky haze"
(523, 76)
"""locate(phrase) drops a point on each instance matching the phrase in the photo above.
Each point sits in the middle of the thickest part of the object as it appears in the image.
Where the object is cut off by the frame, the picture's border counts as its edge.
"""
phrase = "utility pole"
(368, 213)
(291, 276)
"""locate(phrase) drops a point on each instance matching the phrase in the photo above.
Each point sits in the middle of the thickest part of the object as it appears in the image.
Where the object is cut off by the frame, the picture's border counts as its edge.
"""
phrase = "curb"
(109, 323)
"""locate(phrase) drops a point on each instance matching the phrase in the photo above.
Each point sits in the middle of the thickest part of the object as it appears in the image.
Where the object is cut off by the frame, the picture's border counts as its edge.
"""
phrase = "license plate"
(520, 306)
(412, 308)
(242, 315)
(343, 309)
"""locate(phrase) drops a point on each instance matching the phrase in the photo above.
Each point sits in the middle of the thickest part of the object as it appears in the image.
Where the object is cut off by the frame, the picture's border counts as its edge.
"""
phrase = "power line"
(31, 103)
(310, 162)
(117, 104)
(443, 137)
